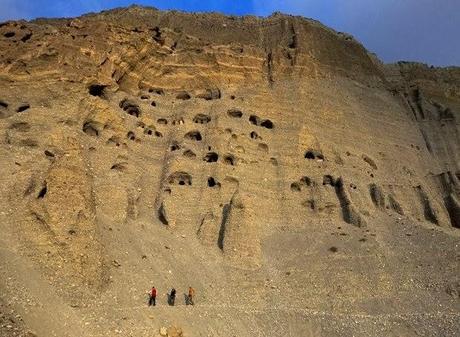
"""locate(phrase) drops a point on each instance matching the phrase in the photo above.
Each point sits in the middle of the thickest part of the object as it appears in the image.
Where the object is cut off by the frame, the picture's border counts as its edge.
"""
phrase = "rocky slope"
(301, 186)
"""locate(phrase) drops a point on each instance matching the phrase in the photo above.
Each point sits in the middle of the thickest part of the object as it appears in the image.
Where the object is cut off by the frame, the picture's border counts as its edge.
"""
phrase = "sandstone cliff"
(300, 185)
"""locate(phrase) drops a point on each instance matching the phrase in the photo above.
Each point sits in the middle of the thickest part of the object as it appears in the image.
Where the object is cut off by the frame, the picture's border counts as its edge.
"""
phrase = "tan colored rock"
(163, 331)
(272, 164)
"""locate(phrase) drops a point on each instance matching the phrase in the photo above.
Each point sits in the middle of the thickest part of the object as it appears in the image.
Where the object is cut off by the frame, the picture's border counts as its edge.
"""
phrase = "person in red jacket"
(153, 297)
(191, 295)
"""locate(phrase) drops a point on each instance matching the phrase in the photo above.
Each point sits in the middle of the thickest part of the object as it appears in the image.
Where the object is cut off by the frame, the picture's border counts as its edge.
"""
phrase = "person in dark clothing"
(153, 297)
(172, 296)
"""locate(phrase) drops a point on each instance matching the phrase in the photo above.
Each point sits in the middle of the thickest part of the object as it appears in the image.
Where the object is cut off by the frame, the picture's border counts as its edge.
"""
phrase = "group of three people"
(172, 296)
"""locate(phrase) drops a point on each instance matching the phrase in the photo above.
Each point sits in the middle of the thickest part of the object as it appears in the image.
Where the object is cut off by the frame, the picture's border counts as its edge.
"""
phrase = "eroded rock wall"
(227, 131)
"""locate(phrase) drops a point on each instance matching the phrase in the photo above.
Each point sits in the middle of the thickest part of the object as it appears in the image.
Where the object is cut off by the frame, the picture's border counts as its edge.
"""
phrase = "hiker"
(172, 297)
(191, 294)
(153, 297)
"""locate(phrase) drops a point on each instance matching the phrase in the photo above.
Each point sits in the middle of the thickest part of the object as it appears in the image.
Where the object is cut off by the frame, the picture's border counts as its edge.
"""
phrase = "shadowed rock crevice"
(201, 119)
(97, 90)
(254, 135)
(212, 182)
(453, 208)
(119, 167)
(256, 120)
(180, 178)
(91, 128)
(268, 124)
(130, 108)
(114, 140)
(23, 107)
(304, 181)
(193, 135)
(157, 91)
(211, 157)
(235, 205)
(162, 215)
(349, 213)
(230, 159)
(427, 141)
(293, 43)
(131, 135)
(415, 101)
(175, 146)
(295, 187)
(377, 196)
(314, 154)
(370, 161)
(225, 215)
(189, 154)
(49, 154)
(43, 191)
(235, 113)
(417, 98)
(3, 104)
(428, 211)
(328, 180)
(270, 70)
(395, 205)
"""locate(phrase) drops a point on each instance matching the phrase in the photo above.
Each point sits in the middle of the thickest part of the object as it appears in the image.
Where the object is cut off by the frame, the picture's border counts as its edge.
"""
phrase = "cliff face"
(431, 95)
(270, 163)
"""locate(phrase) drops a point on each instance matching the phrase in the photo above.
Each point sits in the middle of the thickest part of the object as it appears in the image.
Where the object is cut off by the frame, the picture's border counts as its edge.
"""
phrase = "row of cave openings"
(14, 34)
(98, 90)
(21, 108)
(92, 129)
(348, 213)
(317, 155)
(207, 94)
(429, 213)
(305, 181)
(313, 155)
(133, 109)
(253, 119)
(213, 157)
(376, 194)
(185, 179)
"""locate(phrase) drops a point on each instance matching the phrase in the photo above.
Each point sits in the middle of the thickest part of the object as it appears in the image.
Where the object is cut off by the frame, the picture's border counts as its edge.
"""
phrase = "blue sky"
(416, 30)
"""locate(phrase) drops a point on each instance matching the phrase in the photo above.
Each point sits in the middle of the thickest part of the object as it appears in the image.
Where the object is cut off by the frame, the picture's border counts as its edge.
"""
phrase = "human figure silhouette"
(153, 297)
(172, 297)
(191, 294)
